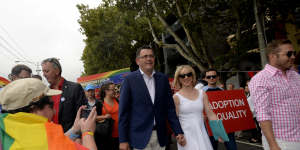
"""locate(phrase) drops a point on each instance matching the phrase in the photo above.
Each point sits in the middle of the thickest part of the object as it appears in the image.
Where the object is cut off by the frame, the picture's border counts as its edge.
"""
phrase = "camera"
(85, 113)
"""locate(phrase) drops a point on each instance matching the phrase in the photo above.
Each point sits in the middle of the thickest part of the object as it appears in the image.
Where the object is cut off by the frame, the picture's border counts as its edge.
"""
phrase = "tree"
(206, 25)
(259, 17)
(112, 37)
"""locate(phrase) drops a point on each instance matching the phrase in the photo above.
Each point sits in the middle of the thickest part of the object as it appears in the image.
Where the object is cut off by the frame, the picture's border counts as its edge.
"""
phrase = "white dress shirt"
(150, 83)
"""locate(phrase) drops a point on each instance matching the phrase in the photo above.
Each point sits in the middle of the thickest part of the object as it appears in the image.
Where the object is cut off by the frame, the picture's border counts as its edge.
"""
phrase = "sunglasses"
(53, 61)
(184, 75)
(290, 53)
(211, 77)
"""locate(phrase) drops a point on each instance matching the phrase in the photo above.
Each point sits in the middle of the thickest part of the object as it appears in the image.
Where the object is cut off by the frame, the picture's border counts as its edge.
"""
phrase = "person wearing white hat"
(27, 103)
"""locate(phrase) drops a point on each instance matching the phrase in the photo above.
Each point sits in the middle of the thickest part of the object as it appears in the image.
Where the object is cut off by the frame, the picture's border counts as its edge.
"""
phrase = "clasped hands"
(181, 139)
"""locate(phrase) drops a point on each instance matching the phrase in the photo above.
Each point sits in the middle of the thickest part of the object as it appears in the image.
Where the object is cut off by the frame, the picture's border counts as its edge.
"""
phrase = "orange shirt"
(114, 112)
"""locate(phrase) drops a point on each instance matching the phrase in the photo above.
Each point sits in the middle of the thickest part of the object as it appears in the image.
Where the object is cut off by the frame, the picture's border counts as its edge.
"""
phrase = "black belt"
(154, 127)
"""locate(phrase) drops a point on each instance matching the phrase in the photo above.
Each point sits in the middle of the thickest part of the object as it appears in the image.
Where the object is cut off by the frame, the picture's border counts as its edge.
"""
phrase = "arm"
(210, 114)
(261, 98)
(102, 117)
(177, 103)
(89, 124)
(76, 126)
(124, 112)
(172, 117)
(266, 127)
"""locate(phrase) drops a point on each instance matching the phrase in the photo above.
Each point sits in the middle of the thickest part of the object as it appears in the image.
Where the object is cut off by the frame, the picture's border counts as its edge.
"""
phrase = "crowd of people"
(140, 115)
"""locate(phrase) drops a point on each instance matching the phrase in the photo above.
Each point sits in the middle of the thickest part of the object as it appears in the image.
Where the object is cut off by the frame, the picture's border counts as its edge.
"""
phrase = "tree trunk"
(260, 31)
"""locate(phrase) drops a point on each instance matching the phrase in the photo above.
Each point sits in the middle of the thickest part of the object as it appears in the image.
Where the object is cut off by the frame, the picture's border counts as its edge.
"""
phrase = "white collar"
(143, 73)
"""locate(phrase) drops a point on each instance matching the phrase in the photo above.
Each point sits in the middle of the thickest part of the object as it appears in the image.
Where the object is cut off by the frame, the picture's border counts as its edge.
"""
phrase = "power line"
(21, 52)
(7, 50)
(12, 48)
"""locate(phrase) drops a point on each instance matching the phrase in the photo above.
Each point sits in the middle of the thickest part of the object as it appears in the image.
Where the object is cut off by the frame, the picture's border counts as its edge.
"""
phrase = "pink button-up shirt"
(277, 98)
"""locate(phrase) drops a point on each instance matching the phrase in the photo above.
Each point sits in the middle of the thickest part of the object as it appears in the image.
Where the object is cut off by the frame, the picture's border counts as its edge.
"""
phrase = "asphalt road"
(243, 145)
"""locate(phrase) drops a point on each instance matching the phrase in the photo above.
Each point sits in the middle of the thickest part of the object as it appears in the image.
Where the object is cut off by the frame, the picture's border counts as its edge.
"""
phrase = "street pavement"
(243, 145)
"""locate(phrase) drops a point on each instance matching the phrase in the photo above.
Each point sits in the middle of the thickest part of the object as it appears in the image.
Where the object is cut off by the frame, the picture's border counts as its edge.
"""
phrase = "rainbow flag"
(102, 75)
(3, 81)
(26, 131)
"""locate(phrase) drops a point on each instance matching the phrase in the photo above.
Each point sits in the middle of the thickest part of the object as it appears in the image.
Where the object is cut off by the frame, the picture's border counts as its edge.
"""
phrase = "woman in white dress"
(190, 103)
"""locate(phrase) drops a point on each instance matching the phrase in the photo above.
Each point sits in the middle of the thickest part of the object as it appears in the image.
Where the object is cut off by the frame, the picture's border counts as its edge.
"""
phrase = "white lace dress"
(191, 119)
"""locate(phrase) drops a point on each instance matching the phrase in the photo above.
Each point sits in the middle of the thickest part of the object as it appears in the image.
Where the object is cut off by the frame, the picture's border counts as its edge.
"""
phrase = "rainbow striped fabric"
(26, 131)
(3, 81)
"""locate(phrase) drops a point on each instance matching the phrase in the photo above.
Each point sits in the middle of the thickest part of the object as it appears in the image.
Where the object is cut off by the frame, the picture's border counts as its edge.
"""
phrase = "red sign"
(232, 108)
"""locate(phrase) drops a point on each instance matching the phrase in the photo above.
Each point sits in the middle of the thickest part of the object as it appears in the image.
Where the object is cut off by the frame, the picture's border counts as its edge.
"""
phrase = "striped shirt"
(277, 98)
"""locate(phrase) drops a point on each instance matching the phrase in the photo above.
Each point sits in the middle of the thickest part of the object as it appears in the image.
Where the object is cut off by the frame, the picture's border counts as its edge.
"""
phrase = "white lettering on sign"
(232, 115)
(226, 103)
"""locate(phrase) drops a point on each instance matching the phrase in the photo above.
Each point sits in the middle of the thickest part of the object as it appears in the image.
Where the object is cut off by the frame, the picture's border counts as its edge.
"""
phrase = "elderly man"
(19, 72)
(276, 94)
(72, 97)
(24, 123)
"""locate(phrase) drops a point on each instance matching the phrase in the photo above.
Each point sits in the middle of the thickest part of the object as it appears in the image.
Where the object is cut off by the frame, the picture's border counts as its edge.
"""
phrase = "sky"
(33, 30)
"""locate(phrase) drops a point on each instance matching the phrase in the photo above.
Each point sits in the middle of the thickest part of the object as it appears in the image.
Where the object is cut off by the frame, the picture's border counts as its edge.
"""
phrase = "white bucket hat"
(22, 92)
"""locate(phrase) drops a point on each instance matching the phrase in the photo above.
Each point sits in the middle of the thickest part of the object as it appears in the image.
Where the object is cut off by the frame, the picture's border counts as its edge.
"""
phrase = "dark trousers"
(230, 145)
(256, 132)
(115, 143)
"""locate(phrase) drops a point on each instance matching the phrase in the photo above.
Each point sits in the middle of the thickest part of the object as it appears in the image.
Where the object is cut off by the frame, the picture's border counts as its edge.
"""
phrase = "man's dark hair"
(55, 63)
(16, 70)
(273, 47)
(39, 105)
(210, 69)
(141, 48)
(37, 77)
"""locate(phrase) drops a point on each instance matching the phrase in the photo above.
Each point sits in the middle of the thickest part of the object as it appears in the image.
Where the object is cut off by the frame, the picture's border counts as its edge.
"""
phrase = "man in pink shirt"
(276, 94)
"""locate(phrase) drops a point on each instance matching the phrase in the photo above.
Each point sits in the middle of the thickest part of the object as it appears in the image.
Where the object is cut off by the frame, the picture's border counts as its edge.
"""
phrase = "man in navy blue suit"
(146, 104)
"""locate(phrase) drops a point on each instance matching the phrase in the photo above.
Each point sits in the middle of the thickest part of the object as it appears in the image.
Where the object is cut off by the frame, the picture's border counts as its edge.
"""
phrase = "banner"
(232, 108)
(115, 76)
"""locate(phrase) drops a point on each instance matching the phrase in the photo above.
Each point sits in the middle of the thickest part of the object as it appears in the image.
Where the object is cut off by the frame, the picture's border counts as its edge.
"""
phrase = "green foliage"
(112, 27)
(209, 22)
(112, 37)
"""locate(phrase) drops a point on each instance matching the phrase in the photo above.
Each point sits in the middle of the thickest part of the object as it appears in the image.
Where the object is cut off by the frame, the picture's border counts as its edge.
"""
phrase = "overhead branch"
(155, 39)
(189, 9)
(187, 32)
(168, 28)
(186, 56)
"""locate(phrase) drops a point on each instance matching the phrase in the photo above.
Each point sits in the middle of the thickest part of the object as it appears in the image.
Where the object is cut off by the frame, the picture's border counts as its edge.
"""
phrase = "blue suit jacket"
(137, 112)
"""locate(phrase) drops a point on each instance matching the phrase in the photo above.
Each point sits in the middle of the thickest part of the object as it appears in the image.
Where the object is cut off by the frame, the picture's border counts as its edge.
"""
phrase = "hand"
(124, 146)
(89, 124)
(220, 140)
(76, 126)
(107, 116)
(181, 139)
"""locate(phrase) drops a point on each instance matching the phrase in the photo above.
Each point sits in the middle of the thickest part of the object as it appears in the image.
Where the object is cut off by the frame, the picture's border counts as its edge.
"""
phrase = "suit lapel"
(157, 90)
(142, 85)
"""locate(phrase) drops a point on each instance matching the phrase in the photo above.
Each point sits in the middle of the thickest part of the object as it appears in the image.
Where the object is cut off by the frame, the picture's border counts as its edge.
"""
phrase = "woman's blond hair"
(176, 82)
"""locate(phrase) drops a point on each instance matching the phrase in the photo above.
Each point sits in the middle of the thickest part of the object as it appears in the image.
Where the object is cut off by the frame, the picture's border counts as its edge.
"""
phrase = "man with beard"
(276, 94)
